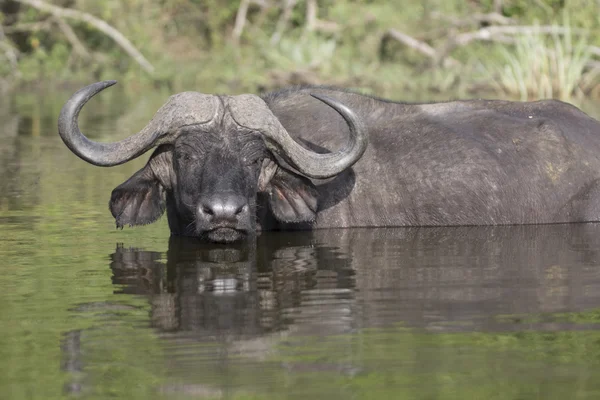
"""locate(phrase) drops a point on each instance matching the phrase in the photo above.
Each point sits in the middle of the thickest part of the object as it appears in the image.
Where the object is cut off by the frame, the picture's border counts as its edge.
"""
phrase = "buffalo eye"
(253, 162)
(186, 158)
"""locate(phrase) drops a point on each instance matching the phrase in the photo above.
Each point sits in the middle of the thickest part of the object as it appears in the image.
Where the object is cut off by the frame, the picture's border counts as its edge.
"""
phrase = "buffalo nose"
(223, 207)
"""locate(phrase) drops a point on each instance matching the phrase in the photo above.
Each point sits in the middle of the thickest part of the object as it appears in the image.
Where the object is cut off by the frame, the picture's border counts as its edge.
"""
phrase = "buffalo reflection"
(249, 300)
(334, 281)
(244, 290)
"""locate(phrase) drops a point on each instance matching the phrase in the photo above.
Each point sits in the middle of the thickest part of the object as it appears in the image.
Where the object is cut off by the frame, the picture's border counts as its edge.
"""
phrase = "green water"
(89, 311)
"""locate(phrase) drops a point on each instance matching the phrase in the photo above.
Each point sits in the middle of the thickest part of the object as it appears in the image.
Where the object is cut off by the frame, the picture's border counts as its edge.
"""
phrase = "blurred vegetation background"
(523, 49)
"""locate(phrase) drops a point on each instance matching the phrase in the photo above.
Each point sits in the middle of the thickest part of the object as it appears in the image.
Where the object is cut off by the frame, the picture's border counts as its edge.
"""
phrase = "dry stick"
(283, 20)
(543, 6)
(415, 44)
(499, 34)
(97, 23)
(28, 27)
(498, 6)
(315, 24)
(240, 20)
(241, 17)
(327, 26)
(9, 52)
(412, 42)
(491, 32)
(78, 47)
(491, 18)
(311, 15)
(595, 65)
(594, 50)
(475, 19)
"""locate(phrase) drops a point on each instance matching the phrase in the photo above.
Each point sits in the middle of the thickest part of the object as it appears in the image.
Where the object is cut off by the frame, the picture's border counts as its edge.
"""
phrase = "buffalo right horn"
(180, 110)
(252, 112)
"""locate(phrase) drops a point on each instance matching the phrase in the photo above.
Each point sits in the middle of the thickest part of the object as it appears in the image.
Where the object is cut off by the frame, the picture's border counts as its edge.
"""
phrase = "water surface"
(90, 311)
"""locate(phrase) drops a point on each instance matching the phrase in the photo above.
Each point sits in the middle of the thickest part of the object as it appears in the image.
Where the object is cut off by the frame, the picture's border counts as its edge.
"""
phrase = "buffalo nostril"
(222, 207)
(207, 210)
(239, 210)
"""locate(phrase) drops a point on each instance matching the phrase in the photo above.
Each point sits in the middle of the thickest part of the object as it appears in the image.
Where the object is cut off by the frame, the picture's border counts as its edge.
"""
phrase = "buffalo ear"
(293, 198)
(140, 200)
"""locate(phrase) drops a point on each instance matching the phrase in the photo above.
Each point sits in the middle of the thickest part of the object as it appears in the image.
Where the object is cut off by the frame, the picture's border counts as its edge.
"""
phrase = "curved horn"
(187, 108)
(252, 112)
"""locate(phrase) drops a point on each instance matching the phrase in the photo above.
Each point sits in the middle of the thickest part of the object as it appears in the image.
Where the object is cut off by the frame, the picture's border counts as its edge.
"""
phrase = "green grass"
(545, 66)
(189, 43)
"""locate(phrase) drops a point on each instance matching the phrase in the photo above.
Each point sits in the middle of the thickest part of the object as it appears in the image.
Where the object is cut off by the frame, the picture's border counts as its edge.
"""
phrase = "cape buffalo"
(226, 166)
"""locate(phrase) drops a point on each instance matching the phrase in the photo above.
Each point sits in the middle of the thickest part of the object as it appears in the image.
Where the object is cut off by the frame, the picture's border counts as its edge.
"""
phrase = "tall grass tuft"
(542, 65)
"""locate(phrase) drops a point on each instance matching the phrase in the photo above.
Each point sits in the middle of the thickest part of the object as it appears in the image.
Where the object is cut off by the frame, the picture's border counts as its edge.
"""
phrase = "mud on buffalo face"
(214, 154)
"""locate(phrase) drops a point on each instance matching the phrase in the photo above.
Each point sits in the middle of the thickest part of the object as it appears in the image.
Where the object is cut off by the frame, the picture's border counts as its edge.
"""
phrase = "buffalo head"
(213, 155)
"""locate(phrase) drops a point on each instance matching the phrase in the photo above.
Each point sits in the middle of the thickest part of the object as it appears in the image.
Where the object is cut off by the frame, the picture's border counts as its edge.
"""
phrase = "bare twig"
(490, 18)
(78, 47)
(240, 20)
(311, 15)
(411, 42)
(497, 6)
(286, 14)
(418, 45)
(10, 53)
(28, 27)
(491, 32)
(593, 65)
(594, 50)
(313, 23)
(262, 16)
(475, 19)
(543, 6)
(326, 26)
(501, 34)
(241, 17)
(97, 23)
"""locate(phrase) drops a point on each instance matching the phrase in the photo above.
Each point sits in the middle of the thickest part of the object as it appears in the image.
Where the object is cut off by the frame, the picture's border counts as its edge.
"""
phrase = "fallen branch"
(593, 65)
(477, 18)
(594, 50)
(501, 34)
(240, 20)
(313, 23)
(411, 42)
(473, 20)
(97, 23)
(71, 36)
(419, 46)
(286, 14)
(28, 27)
(497, 6)
(491, 32)
(241, 17)
(10, 53)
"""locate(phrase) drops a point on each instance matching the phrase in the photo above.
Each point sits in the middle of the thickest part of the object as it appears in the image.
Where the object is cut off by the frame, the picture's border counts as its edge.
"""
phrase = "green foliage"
(190, 44)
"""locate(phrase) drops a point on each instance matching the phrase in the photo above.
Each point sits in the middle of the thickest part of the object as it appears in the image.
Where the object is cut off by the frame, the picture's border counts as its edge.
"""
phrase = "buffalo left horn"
(252, 112)
(180, 110)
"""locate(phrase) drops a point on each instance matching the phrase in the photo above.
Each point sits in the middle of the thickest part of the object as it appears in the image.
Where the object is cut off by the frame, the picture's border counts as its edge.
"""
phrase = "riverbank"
(497, 49)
